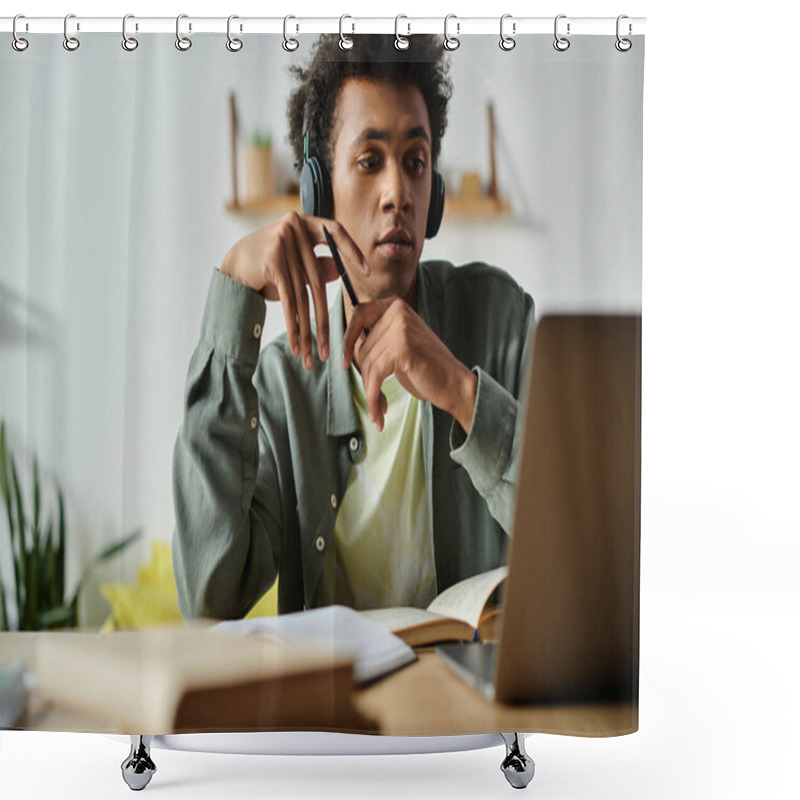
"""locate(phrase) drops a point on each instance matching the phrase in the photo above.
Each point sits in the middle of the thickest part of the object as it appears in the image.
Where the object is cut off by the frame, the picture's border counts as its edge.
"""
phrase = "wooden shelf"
(279, 204)
(475, 206)
(453, 206)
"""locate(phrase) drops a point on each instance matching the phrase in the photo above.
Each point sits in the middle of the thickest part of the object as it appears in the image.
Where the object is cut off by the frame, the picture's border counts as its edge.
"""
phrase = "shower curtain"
(132, 175)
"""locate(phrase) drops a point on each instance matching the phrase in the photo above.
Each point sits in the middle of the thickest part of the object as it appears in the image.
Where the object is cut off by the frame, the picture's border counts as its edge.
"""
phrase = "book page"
(400, 617)
(466, 599)
(345, 632)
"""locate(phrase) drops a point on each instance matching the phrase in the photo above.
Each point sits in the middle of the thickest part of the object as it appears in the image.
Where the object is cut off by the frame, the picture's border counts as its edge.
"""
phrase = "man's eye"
(370, 162)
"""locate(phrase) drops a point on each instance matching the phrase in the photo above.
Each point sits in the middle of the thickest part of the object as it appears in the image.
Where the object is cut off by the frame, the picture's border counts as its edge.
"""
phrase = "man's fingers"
(351, 336)
(308, 235)
(374, 371)
(365, 315)
(286, 295)
(297, 275)
(350, 252)
(315, 281)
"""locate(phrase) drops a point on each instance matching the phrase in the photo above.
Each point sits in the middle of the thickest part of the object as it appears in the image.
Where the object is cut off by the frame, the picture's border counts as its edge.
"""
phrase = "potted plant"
(38, 547)
(259, 165)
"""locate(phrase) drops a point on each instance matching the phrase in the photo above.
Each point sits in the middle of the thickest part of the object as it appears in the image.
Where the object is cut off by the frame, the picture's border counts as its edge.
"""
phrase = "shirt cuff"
(486, 450)
(233, 318)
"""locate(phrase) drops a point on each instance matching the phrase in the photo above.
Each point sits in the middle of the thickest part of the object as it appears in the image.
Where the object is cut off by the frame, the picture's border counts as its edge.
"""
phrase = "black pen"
(337, 259)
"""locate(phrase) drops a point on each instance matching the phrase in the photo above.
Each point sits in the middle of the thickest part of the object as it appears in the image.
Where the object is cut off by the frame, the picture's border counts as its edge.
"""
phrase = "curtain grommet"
(507, 42)
(622, 44)
(451, 42)
(17, 42)
(401, 42)
(183, 43)
(345, 42)
(129, 43)
(233, 44)
(71, 43)
(289, 44)
(561, 43)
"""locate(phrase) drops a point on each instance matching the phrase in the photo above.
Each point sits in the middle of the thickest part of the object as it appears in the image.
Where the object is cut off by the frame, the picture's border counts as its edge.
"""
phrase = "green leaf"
(37, 503)
(32, 593)
(8, 498)
(47, 572)
(117, 547)
(61, 548)
(110, 551)
(4, 488)
(20, 559)
(59, 617)
(3, 614)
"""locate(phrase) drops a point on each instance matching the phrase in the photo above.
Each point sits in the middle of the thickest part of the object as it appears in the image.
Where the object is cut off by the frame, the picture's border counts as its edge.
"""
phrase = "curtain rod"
(457, 26)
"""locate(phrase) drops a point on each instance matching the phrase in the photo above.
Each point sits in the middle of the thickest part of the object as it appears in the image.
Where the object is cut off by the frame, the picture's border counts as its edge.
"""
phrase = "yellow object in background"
(153, 600)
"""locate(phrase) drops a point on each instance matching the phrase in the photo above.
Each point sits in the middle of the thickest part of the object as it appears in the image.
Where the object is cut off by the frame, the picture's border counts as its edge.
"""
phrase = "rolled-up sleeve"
(490, 451)
(226, 542)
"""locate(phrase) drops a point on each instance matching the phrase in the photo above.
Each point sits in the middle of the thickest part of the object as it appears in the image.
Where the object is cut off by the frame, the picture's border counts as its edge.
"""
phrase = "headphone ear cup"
(315, 190)
(436, 207)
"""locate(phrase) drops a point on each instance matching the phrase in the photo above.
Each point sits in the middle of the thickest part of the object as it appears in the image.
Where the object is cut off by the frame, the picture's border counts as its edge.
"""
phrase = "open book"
(341, 630)
(454, 615)
(182, 680)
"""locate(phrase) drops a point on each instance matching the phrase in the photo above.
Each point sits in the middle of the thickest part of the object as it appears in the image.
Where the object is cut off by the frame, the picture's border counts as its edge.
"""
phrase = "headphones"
(316, 195)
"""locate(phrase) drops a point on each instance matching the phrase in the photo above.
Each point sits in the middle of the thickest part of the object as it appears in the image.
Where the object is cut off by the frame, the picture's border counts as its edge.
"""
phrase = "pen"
(342, 272)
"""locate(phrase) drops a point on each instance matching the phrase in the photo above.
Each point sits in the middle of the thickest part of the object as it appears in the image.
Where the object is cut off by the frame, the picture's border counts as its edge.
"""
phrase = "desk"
(422, 699)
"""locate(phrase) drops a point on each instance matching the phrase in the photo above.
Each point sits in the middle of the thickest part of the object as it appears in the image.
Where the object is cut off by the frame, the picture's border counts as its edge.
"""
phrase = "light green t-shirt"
(382, 553)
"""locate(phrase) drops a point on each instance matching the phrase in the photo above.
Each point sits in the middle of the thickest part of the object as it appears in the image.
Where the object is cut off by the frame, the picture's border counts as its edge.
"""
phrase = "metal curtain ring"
(507, 42)
(233, 44)
(183, 43)
(451, 42)
(401, 42)
(623, 45)
(289, 44)
(18, 43)
(345, 42)
(128, 42)
(561, 43)
(70, 42)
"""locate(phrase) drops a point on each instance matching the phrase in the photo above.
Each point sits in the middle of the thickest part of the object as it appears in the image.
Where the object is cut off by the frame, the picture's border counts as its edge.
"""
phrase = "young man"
(370, 470)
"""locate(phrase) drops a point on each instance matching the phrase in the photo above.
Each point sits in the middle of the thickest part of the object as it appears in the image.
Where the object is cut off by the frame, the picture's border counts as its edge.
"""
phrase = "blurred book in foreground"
(194, 680)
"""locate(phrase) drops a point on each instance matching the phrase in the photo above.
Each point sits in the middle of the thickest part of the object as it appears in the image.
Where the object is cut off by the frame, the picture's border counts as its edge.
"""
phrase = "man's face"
(381, 181)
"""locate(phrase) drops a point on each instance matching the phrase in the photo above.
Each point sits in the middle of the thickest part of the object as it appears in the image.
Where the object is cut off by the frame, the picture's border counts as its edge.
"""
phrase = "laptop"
(570, 622)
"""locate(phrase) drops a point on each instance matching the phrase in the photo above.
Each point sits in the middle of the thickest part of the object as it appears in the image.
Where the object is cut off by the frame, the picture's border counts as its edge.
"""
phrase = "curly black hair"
(375, 57)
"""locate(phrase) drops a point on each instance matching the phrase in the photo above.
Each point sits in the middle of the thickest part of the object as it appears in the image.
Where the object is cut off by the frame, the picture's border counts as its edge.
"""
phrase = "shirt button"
(333, 500)
(256, 331)
(354, 444)
(320, 543)
(253, 422)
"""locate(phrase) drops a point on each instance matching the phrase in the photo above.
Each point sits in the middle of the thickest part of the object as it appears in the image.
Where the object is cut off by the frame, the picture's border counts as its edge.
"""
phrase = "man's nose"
(396, 189)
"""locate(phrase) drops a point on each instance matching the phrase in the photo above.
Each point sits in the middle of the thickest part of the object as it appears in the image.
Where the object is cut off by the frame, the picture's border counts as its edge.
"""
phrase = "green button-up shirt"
(262, 458)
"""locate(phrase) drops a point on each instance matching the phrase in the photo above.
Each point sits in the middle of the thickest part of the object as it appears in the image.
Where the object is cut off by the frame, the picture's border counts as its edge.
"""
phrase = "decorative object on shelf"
(472, 201)
(259, 168)
(38, 549)
(261, 194)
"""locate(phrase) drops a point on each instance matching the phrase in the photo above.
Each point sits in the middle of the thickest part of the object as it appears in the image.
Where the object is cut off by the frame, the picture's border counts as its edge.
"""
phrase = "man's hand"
(278, 261)
(401, 343)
